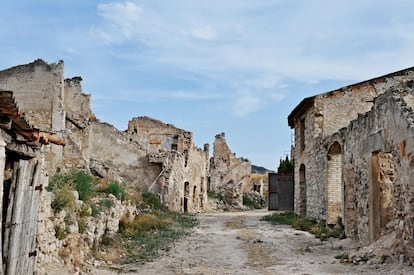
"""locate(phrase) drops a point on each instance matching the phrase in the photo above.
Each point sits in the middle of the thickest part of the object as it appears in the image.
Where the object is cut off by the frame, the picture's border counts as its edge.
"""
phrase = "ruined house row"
(149, 156)
(354, 159)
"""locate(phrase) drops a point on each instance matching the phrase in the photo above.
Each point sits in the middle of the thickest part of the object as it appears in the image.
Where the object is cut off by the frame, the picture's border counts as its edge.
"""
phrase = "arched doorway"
(334, 185)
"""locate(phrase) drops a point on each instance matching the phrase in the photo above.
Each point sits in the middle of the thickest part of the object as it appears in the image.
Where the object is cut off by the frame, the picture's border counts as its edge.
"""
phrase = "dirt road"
(239, 243)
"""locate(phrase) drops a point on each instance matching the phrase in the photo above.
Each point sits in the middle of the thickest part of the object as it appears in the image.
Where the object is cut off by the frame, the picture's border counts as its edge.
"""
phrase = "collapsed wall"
(182, 178)
(378, 161)
(228, 174)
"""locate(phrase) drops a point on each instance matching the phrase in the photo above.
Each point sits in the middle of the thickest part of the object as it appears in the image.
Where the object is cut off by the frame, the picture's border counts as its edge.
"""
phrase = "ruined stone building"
(149, 156)
(229, 175)
(354, 158)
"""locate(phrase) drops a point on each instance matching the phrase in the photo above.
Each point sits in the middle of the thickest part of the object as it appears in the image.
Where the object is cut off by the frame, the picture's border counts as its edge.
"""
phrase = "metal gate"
(281, 191)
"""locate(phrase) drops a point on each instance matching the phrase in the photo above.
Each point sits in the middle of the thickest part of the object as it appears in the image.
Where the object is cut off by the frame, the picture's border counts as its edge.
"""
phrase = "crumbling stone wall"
(113, 155)
(38, 88)
(149, 156)
(378, 155)
(182, 179)
(228, 174)
(78, 115)
(318, 118)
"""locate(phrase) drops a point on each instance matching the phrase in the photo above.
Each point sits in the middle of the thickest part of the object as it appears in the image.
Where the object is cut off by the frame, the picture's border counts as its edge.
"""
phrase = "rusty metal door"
(281, 191)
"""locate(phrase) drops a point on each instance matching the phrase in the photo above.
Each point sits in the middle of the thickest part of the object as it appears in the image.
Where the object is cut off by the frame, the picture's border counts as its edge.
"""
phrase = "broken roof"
(12, 120)
(306, 103)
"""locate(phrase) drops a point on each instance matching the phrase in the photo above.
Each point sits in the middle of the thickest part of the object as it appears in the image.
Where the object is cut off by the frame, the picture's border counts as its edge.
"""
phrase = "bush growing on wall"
(116, 190)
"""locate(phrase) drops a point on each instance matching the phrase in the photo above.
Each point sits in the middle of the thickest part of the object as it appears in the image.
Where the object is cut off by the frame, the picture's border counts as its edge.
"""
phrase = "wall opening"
(334, 184)
(195, 201)
(381, 194)
(302, 135)
(186, 195)
(9, 168)
(302, 191)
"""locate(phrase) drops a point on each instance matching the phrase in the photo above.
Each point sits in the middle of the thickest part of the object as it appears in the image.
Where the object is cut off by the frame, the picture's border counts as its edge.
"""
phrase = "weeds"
(82, 225)
(281, 218)
(151, 200)
(145, 236)
(320, 230)
(116, 190)
(60, 233)
(107, 203)
(83, 184)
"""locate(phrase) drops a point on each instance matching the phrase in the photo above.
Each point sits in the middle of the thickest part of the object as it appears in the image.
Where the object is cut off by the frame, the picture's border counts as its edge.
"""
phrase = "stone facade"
(315, 119)
(39, 89)
(228, 174)
(181, 179)
(363, 169)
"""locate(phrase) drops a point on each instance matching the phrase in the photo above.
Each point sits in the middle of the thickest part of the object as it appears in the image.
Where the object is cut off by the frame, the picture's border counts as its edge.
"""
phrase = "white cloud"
(191, 95)
(121, 18)
(205, 33)
(248, 102)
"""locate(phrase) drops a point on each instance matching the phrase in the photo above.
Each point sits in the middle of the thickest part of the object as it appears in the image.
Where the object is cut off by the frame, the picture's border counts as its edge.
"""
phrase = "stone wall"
(77, 117)
(38, 89)
(182, 179)
(317, 119)
(378, 152)
(228, 174)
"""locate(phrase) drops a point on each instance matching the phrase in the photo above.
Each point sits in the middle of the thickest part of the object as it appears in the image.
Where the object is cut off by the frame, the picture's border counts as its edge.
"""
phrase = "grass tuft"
(320, 230)
(116, 190)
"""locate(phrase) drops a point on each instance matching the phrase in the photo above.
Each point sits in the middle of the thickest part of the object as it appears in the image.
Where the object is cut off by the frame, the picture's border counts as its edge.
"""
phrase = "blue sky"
(233, 66)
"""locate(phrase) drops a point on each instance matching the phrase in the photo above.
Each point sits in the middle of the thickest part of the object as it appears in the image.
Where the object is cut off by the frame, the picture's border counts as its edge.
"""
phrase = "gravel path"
(239, 243)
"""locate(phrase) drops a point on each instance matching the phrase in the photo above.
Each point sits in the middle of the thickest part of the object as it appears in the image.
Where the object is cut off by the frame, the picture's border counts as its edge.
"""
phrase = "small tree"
(286, 165)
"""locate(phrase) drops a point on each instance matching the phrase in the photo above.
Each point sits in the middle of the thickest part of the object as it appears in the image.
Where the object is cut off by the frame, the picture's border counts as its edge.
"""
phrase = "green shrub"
(84, 211)
(95, 210)
(151, 200)
(63, 185)
(281, 218)
(303, 224)
(116, 190)
(107, 203)
(83, 184)
(60, 233)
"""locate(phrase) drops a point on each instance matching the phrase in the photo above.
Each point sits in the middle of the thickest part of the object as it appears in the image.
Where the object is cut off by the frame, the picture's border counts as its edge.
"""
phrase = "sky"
(233, 66)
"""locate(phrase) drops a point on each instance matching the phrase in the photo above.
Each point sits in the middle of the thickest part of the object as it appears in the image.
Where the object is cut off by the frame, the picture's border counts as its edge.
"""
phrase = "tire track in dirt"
(258, 255)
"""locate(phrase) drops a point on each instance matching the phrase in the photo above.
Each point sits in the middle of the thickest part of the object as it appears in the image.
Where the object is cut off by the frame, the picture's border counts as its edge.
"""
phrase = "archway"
(334, 184)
